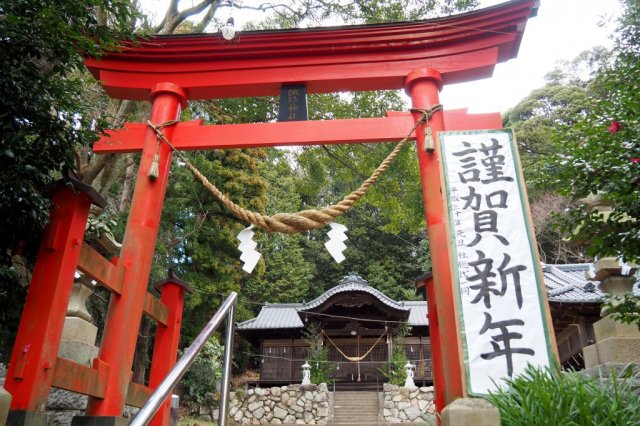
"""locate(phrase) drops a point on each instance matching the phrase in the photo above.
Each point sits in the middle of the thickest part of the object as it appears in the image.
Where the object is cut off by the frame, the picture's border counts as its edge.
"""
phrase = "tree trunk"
(127, 186)
(142, 352)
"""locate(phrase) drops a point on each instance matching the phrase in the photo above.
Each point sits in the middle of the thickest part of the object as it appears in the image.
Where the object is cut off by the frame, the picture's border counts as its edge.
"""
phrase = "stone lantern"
(615, 342)
(306, 374)
(408, 383)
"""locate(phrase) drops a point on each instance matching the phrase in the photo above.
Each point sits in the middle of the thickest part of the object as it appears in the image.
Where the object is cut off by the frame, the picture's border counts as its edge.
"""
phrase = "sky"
(562, 29)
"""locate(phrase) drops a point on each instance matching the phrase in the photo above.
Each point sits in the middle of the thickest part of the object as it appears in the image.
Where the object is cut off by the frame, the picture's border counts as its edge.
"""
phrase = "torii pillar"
(419, 57)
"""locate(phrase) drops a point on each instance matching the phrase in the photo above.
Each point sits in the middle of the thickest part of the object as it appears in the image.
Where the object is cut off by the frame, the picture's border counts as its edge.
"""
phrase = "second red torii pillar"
(125, 311)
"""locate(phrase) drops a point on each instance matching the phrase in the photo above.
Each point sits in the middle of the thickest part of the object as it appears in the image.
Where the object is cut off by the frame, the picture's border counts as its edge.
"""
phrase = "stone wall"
(293, 404)
(404, 405)
(63, 406)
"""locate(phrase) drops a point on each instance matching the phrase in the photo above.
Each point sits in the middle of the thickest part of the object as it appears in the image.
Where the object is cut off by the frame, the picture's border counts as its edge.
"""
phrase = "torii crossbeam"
(171, 70)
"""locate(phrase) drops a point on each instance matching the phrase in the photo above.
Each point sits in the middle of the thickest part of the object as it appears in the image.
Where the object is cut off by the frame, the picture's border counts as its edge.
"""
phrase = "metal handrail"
(378, 399)
(227, 309)
(333, 403)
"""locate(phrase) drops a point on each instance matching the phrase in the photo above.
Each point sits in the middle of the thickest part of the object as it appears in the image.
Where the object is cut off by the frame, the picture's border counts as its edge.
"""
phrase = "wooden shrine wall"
(282, 359)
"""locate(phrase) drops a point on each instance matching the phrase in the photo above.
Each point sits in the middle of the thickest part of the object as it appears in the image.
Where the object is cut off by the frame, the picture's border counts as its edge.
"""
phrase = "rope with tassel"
(305, 220)
(154, 169)
(428, 144)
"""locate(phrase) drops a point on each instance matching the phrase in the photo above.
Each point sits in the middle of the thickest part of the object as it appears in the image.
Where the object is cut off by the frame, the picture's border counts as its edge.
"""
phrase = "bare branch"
(172, 10)
(173, 18)
(206, 20)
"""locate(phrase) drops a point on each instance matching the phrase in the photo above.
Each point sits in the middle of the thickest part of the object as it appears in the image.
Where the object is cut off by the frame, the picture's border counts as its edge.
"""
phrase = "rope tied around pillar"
(154, 169)
(428, 144)
(305, 220)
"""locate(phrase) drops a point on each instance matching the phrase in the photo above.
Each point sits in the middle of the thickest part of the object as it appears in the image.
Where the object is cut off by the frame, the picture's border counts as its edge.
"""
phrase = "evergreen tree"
(44, 118)
(601, 150)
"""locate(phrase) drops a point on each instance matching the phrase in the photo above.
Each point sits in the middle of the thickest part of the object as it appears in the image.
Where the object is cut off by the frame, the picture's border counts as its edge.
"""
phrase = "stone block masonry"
(293, 404)
(408, 405)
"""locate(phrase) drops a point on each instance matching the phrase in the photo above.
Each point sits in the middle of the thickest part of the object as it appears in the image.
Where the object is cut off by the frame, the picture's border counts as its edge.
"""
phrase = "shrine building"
(358, 320)
(355, 319)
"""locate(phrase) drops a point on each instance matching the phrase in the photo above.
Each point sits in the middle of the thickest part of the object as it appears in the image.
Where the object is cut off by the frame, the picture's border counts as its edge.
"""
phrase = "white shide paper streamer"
(247, 247)
(335, 246)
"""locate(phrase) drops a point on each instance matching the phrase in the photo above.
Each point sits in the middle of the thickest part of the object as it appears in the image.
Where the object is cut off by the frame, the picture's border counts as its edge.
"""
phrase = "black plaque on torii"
(293, 103)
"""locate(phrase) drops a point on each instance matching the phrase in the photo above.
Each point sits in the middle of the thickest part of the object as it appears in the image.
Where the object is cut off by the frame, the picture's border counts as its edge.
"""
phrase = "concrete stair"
(355, 408)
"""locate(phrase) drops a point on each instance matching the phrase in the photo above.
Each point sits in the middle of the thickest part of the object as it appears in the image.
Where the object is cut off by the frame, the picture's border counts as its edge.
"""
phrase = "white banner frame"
(496, 275)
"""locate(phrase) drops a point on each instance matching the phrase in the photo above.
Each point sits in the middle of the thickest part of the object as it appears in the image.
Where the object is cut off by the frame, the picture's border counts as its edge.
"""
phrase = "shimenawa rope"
(291, 223)
(354, 358)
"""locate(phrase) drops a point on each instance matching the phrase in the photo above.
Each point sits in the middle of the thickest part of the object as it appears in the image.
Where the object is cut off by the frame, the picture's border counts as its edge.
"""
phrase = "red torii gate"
(417, 56)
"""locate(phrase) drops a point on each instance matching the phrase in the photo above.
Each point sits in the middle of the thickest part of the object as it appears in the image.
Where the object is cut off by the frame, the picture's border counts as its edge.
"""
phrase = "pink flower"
(614, 127)
(634, 160)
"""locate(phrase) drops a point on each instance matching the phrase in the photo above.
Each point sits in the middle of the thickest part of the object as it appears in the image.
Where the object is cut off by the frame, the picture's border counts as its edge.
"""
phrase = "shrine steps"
(356, 408)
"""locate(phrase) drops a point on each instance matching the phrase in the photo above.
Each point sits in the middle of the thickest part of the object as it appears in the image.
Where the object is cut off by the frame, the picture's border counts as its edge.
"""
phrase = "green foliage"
(533, 121)
(198, 235)
(339, 169)
(192, 421)
(383, 231)
(284, 274)
(320, 12)
(601, 151)
(424, 254)
(321, 368)
(11, 301)
(542, 398)
(200, 380)
(623, 308)
(44, 116)
(395, 371)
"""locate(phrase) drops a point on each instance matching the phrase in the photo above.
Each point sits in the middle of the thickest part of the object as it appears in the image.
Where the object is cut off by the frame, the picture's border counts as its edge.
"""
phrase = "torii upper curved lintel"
(462, 48)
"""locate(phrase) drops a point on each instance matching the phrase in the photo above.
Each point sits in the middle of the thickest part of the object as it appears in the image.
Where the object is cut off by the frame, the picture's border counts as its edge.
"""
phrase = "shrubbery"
(199, 382)
(395, 371)
(567, 399)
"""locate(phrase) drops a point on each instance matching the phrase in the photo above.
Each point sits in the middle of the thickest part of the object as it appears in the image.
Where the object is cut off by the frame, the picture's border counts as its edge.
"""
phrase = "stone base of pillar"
(470, 411)
(5, 402)
(99, 421)
(76, 328)
(78, 351)
(615, 343)
(607, 328)
(26, 418)
(612, 350)
(78, 337)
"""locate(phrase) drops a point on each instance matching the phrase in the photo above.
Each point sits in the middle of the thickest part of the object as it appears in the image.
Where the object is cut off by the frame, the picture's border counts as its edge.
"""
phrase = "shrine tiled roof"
(285, 315)
(271, 316)
(568, 284)
(350, 283)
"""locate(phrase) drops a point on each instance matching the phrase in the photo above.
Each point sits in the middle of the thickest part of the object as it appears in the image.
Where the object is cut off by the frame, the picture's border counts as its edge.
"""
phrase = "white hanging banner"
(501, 300)
(247, 247)
(335, 246)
